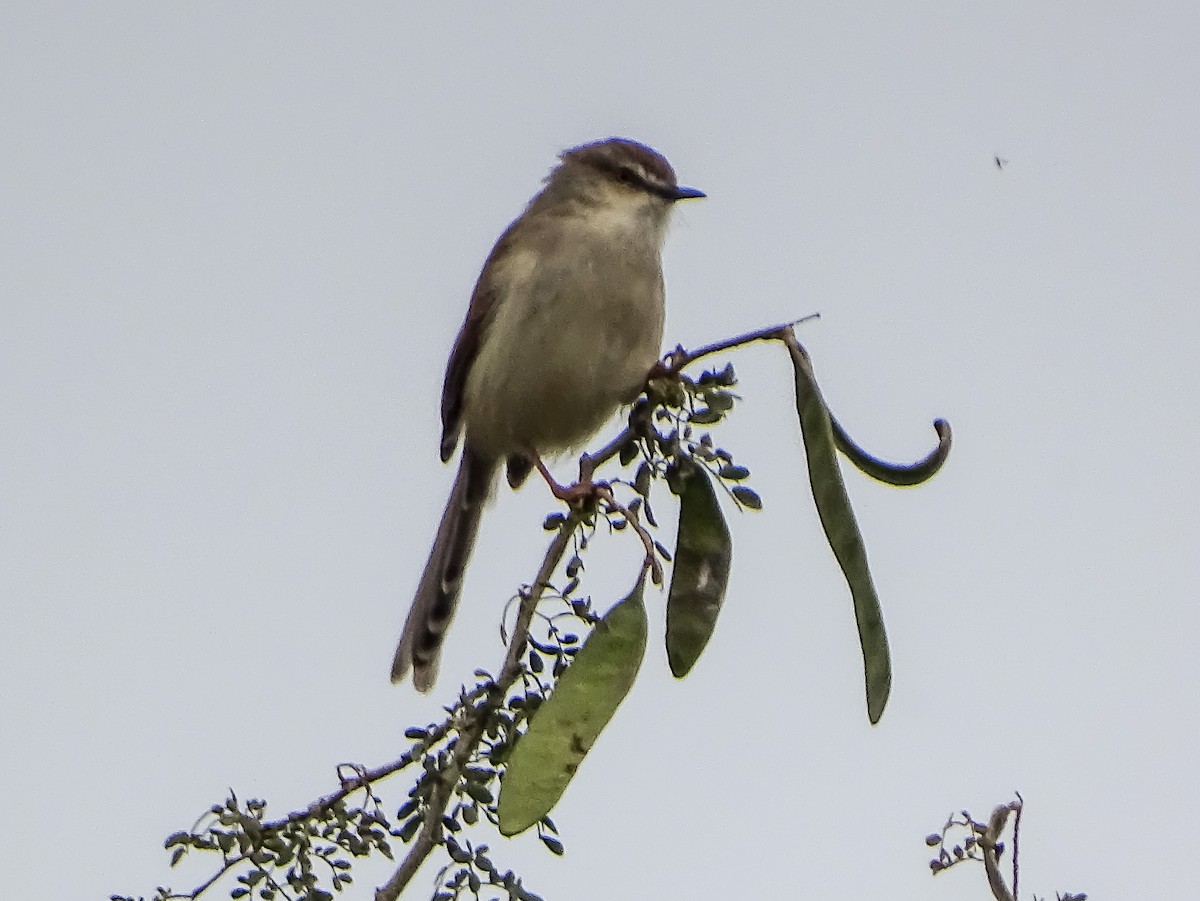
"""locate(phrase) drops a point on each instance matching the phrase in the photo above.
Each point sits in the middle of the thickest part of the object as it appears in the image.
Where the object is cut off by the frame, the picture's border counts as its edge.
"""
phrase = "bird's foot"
(580, 493)
(669, 366)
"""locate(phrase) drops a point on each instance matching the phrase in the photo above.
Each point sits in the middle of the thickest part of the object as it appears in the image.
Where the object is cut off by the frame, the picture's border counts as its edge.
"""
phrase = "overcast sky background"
(237, 241)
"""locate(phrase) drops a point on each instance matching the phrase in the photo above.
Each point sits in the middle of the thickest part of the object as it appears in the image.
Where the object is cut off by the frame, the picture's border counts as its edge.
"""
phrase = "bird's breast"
(574, 331)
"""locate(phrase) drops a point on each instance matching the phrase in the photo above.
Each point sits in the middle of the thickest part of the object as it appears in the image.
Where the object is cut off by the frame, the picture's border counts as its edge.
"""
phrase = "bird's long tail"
(437, 593)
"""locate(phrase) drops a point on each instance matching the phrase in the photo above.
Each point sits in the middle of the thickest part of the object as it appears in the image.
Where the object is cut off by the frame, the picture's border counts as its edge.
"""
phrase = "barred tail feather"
(438, 591)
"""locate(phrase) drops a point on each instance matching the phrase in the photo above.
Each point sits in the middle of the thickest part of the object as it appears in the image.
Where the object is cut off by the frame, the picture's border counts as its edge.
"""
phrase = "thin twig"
(991, 862)
(475, 718)
(1018, 807)
(208, 883)
(651, 563)
(681, 358)
(364, 779)
(421, 847)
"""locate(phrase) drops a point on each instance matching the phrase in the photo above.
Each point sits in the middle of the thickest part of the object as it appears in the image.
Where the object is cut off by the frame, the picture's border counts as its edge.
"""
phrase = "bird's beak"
(686, 193)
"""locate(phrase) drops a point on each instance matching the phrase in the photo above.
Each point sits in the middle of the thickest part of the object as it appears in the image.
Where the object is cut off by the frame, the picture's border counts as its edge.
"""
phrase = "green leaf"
(733, 473)
(841, 529)
(719, 401)
(478, 793)
(703, 555)
(747, 497)
(629, 451)
(705, 416)
(567, 725)
(406, 808)
(641, 482)
(409, 829)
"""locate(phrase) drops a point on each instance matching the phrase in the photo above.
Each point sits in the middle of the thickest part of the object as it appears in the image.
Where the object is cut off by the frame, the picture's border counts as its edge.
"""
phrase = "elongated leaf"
(841, 529)
(703, 554)
(568, 723)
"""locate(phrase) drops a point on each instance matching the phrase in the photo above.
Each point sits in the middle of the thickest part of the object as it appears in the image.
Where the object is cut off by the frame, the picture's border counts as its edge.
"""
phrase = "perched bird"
(563, 326)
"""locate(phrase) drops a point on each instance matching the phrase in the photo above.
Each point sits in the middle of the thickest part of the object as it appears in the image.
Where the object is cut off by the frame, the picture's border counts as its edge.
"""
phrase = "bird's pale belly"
(568, 388)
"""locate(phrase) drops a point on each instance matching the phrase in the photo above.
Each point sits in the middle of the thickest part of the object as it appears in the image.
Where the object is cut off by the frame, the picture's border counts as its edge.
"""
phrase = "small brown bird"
(564, 325)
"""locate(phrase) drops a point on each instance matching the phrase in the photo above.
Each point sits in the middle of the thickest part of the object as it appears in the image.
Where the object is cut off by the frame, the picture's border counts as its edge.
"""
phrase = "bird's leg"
(669, 366)
(587, 466)
(581, 491)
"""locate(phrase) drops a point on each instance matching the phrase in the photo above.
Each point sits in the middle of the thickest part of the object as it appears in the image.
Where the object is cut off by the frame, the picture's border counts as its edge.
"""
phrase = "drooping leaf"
(566, 726)
(703, 555)
(841, 529)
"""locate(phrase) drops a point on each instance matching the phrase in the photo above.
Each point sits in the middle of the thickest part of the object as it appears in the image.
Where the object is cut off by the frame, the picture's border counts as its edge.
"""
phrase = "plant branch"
(679, 358)
(988, 842)
(363, 779)
(650, 564)
(1016, 855)
(475, 718)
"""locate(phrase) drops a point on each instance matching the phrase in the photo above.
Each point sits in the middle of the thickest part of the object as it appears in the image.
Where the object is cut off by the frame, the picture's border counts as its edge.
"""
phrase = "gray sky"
(237, 241)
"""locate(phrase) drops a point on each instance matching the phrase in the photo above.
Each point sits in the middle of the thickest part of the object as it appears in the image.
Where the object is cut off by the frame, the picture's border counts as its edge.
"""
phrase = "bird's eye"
(628, 176)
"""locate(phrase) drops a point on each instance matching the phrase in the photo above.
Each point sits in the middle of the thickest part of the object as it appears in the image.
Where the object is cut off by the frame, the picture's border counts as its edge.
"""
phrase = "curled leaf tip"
(902, 475)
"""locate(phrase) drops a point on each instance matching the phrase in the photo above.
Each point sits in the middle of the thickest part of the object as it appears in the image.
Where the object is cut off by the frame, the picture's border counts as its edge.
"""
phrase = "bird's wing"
(466, 347)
